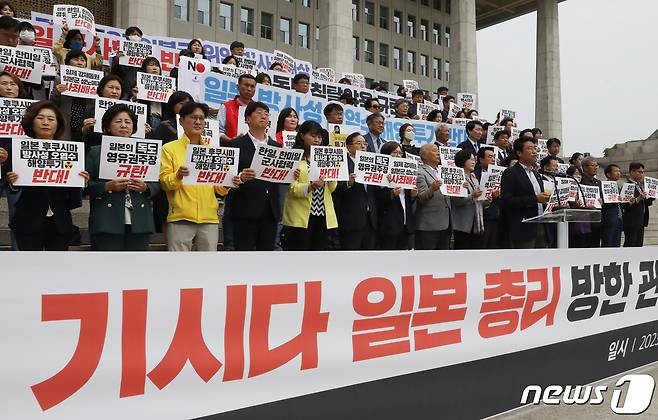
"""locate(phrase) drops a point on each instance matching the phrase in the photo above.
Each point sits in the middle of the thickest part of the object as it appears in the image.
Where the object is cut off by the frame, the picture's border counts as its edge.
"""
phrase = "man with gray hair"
(442, 135)
(590, 167)
(432, 208)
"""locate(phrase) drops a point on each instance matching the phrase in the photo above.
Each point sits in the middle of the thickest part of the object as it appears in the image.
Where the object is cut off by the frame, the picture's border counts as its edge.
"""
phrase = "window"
(397, 21)
(302, 34)
(383, 17)
(447, 67)
(397, 58)
(436, 68)
(437, 4)
(266, 20)
(448, 6)
(226, 16)
(355, 47)
(424, 71)
(317, 38)
(383, 55)
(355, 10)
(369, 12)
(411, 62)
(247, 21)
(369, 51)
(284, 30)
(180, 9)
(423, 29)
(305, 3)
(411, 26)
(447, 37)
(369, 82)
(436, 33)
(204, 12)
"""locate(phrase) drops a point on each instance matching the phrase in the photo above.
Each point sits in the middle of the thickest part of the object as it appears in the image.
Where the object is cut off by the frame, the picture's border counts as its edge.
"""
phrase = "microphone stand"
(581, 190)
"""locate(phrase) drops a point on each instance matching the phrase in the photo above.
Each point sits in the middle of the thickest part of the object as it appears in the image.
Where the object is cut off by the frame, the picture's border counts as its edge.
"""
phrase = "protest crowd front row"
(300, 161)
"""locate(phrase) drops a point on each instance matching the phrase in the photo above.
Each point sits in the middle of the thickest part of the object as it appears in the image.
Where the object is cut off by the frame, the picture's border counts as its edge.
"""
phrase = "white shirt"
(475, 145)
(256, 141)
(404, 208)
(535, 185)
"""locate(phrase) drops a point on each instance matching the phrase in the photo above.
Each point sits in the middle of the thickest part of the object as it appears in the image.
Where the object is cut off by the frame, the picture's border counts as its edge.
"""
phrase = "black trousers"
(434, 239)
(127, 242)
(394, 242)
(465, 240)
(491, 239)
(254, 234)
(355, 240)
(611, 234)
(48, 239)
(313, 238)
(633, 236)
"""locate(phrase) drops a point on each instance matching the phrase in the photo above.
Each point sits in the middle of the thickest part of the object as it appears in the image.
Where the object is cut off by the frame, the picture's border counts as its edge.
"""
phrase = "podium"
(565, 216)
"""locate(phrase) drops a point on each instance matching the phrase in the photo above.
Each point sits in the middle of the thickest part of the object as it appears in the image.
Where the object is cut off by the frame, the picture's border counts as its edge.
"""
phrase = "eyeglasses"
(197, 117)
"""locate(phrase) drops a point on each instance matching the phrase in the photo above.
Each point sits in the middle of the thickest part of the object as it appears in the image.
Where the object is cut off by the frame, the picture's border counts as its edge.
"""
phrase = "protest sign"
(357, 79)
(506, 113)
(448, 155)
(466, 100)
(276, 164)
(192, 77)
(371, 168)
(246, 63)
(211, 165)
(325, 74)
(329, 163)
(288, 138)
(562, 168)
(339, 132)
(47, 59)
(627, 192)
(415, 158)
(490, 181)
(24, 64)
(571, 187)
(210, 134)
(410, 86)
(453, 111)
(516, 132)
(11, 115)
(232, 71)
(424, 108)
(140, 110)
(610, 192)
(134, 53)
(592, 196)
(80, 83)
(651, 187)
(402, 173)
(491, 132)
(453, 180)
(48, 163)
(286, 61)
(559, 197)
(461, 121)
(542, 149)
(153, 87)
(130, 158)
(75, 17)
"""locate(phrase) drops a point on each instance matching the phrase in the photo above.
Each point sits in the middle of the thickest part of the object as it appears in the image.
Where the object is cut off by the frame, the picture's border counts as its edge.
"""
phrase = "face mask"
(410, 135)
(76, 45)
(27, 36)
(135, 38)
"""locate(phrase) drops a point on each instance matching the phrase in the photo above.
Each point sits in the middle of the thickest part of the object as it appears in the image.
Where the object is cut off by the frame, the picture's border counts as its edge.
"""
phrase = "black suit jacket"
(391, 213)
(636, 214)
(251, 198)
(355, 201)
(467, 145)
(519, 201)
(492, 212)
(33, 204)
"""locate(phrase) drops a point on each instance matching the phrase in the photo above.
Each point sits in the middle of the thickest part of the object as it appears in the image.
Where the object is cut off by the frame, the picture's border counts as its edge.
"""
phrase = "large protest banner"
(328, 163)
(276, 164)
(453, 180)
(103, 104)
(371, 168)
(22, 63)
(154, 87)
(109, 347)
(130, 158)
(48, 163)
(11, 115)
(211, 165)
(80, 83)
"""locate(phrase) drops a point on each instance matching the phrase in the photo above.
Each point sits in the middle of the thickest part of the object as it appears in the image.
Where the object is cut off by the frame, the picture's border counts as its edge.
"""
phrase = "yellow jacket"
(194, 203)
(94, 62)
(297, 208)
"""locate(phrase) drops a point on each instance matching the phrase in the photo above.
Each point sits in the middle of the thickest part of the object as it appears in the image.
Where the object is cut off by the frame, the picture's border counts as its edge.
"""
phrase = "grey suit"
(432, 213)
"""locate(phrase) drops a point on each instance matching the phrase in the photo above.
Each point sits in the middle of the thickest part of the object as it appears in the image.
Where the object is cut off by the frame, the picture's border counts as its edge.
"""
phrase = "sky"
(608, 66)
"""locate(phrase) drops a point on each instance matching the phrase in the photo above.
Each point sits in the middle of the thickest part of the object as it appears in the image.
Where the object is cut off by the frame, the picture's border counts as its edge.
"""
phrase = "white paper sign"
(134, 53)
(507, 113)
(153, 87)
(130, 158)
(610, 192)
(325, 74)
(490, 181)
(11, 115)
(192, 74)
(140, 110)
(651, 187)
(491, 132)
(357, 79)
(80, 83)
(24, 64)
(402, 173)
(75, 17)
(592, 197)
(288, 138)
(466, 100)
(448, 155)
(286, 60)
(371, 168)
(47, 58)
(232, 71)
(329, 163)
(454, 110)
(276, 164)
(627, 192)
(453, 180)
(211, 165)
(48, 163)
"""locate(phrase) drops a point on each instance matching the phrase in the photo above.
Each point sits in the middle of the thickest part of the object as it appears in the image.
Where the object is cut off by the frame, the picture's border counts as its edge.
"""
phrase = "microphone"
(581, 190)
(556, 186)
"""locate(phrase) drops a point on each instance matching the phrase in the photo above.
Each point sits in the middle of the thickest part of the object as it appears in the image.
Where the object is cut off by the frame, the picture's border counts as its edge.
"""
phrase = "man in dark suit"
(523, 196)
(256, 202)
(373, 138)
(501, 140)
(474, 133)
(590, 168)
(357, 212)
(611, 214)
(491, 211)
(553, 144)
(636, 213)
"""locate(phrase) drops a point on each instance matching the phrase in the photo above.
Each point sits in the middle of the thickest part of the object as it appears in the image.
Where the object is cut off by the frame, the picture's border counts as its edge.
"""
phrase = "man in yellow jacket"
(192, 218)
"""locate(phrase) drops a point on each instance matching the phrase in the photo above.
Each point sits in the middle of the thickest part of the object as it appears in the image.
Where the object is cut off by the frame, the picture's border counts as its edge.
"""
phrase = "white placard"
(288, 138)
(651, 187)
(467, 100)
(80, 83)
(48, 163)
(153, 87)
(448, 155)
(123, 157)
(286, 60)
(371, 168)
(11, 115)
(24, 64)
(453, 180)
(276, 164)
(490, 181)
(140, 110)
(592, 195)
(627, 192)
(610, 192)
(211, 165)
(329, 163)
(134, 53)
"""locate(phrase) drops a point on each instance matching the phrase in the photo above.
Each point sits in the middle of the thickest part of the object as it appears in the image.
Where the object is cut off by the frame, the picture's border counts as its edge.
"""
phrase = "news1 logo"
(637, 400)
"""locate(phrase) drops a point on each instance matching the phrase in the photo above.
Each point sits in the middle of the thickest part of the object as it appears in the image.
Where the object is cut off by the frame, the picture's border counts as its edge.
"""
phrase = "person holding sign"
(73, 40)
(396, 213)
(590, 168)
(491, 211)
(468, 220)
(636, 213)
(150, 65)
(523, 197)
(308, 212)
(230, 110)
(192, 220)
(611, 214)
(474, 132)
(433, 224)
(109, 87)
(43, 214)
(287, 122)
(127, 73)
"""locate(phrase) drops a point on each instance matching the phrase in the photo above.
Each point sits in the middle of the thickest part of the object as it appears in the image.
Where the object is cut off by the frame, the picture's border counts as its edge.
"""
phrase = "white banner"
(276, 164)
(453, 180)
(103, 104)
(134, 53)
(24, 64)
(48, 163)
(288, 138)
(48, 61)
(506, 113)
(75, 17)
(211, 165)
(328, 162)
(80, 83)
(11, 115)
(130, 158)
(490, 181)
(357, 79)
(325, 74)
(153, 87)
(402, 173)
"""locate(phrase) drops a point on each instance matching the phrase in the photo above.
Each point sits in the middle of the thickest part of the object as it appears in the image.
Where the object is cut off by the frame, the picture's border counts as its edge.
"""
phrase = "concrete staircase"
(646, 152)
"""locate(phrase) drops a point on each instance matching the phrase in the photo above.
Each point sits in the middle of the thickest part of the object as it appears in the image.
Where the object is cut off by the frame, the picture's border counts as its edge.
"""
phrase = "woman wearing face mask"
(127, 73)
(120, 210)
(308, 212)
(26, 37)
(43, 214)
(407, 137)
(150, 65)
(109, 87)
(73, 41)
(468, 213)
